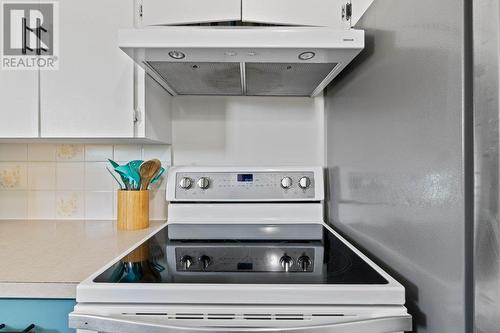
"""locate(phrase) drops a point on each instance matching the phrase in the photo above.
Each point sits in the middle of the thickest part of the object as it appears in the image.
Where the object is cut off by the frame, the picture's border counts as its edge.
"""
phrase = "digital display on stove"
(245, 177)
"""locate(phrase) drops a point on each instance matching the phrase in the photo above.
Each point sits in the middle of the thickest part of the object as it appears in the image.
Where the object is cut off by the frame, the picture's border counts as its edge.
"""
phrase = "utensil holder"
(133, 210)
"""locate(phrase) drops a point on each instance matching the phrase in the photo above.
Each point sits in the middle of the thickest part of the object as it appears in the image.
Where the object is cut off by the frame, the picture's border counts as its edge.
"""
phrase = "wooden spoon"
(148, 170)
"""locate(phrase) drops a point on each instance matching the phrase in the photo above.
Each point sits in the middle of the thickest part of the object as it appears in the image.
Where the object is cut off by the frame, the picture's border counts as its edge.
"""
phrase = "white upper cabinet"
(97, 91)
(18, 104)
(325, 13)
(172, 12)
(293, 12)
(92, 93)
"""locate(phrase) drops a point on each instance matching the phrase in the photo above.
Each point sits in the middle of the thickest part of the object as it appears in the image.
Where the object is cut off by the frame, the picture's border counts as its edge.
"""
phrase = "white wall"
(218, 130)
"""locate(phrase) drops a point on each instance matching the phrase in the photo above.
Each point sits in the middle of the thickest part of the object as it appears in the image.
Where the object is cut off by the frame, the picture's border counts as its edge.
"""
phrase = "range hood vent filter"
(200, 78)
(285, 79)
(227, 79)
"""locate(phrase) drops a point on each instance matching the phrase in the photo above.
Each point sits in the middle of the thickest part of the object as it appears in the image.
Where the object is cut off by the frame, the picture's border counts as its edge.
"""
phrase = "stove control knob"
(304, 263)
(286, 262)
(186, 262)
(286, 182)
(205, 262)
(304, 182)
(185, 183)
(203, 183)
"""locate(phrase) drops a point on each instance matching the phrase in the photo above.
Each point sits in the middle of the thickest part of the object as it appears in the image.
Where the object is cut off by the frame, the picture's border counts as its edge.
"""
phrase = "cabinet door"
(297, 12)
(18, 104)
(169, 12)
(293, 12)
(155, 122)
(91, 95)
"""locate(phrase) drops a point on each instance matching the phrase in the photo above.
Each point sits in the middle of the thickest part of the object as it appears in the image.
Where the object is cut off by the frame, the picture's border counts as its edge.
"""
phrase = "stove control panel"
(277, 185)
(248, 258)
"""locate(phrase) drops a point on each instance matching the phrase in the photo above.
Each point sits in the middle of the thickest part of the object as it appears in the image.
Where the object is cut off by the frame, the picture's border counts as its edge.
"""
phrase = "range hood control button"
(185, 183)
(186, 262)
(304, 263)
(286, 262)
(286, 182)
(203, 183)
(304, 182)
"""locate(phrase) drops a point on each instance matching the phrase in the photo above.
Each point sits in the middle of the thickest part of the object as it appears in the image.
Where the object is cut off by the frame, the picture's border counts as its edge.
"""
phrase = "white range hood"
(242, 60)
(245, 47)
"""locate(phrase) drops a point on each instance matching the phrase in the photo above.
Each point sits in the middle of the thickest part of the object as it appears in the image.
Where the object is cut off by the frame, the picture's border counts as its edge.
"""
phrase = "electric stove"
(244, 249)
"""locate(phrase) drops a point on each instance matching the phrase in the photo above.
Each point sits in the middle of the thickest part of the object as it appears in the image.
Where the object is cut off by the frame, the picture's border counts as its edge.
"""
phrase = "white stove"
(245, 249)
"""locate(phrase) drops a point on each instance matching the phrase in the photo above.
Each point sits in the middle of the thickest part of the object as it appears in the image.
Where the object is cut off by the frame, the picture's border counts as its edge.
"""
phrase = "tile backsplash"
(70, 181)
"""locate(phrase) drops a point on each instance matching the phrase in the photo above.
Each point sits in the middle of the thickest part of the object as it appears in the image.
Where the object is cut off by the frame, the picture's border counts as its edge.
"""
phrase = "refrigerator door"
(150, 324)
(486, 24)
(395, 142)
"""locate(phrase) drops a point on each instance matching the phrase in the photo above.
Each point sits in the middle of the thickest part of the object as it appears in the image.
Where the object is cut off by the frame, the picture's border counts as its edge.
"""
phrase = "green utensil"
(124, 175)
(127, 177)
(157, 177)
(134, 173)
(113, 163)
(130, 173)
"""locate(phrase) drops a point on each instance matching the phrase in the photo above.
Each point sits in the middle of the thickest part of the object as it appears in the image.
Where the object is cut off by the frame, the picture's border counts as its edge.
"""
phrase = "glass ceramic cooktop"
(162, 260)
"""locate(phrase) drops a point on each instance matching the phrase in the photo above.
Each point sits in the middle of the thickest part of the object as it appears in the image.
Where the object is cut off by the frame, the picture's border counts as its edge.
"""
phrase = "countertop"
(48, 258)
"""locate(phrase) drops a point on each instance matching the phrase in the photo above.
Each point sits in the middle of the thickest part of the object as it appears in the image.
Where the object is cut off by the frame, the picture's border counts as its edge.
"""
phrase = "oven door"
(147, 323)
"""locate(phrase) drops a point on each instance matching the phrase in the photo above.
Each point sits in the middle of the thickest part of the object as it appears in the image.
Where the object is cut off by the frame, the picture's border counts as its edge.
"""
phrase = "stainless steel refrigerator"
(412, 154)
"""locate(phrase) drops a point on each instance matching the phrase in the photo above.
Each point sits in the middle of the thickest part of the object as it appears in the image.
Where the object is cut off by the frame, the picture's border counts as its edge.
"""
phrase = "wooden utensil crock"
(133, 210)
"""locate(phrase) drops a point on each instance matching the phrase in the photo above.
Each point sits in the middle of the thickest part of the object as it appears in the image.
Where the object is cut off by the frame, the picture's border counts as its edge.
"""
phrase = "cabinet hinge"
(347, 12)
(137, 116)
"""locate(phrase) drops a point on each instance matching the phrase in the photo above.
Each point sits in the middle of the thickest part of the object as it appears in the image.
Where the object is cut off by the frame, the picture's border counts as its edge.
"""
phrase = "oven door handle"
(117, 324)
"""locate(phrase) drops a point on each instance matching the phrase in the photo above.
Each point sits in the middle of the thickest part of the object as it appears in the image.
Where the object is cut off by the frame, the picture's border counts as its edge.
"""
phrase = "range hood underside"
(242, 79)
